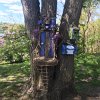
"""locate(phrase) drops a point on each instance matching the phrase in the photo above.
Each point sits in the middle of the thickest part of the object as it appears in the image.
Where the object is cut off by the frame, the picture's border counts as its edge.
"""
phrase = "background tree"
(85, 21)
(16, 43)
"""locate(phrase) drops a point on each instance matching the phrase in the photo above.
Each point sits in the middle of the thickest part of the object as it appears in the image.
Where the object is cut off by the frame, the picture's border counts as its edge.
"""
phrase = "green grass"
(87, 73)
(87, 67)
(12, 78)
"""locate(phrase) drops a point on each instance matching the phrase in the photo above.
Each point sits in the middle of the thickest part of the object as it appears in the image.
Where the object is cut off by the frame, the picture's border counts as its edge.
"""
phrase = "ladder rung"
(44, 76)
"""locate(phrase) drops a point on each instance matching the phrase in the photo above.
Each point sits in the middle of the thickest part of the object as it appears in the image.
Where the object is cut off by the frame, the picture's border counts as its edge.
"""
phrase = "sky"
(11, 11)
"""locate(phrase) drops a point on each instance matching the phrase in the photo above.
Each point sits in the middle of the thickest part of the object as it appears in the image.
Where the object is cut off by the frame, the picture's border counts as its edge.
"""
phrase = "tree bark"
(49, 8)
(31, 10)
(71, 15)
(62, 75)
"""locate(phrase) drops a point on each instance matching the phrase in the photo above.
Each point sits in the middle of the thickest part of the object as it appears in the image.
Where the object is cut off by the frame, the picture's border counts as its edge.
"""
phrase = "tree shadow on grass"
(12, 80)
(10, 89)
(14, 69)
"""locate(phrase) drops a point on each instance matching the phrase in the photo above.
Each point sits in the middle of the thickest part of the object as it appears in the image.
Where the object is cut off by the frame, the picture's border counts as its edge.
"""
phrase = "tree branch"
(31, 12)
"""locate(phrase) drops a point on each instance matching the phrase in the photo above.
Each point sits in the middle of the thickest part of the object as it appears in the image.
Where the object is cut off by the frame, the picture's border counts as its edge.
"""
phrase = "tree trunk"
(49, 8)
(31, 10)
(71, 15)
(61, 77)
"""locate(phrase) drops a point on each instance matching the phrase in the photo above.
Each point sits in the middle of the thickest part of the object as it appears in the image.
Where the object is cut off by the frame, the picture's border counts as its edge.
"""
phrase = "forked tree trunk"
(71, 15)
(62, 81)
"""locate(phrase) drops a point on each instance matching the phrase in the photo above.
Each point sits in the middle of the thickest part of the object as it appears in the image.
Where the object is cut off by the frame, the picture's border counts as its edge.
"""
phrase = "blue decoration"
(53, 22)
(40, 22)
(51, 51)
(42, 43)
(47, 26)
(68, 49)
(63, 49)
(76, 49)
(36, 33)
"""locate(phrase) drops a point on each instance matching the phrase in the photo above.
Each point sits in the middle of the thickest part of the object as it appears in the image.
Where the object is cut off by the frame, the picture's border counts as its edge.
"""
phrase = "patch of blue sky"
(96, 13)
(11, 11)
(2, 6)
(60, 7)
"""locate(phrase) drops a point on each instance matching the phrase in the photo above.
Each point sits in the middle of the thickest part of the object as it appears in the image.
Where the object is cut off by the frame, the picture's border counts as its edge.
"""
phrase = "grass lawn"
(87, 74)
(12, 78)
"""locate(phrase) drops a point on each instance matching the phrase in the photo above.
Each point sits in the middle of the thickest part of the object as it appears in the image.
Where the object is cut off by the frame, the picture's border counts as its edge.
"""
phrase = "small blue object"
(68, 49)
(76, 49)
(51, 49)
(63, 49)
(51, 53)
(47, 26)
(42, 44)
(53, 22)
(40, 22)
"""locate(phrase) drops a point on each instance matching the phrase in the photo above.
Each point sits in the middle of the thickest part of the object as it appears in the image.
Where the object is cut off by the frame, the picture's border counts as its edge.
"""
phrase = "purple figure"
(57, 40)
(36, 33)
(51, 49)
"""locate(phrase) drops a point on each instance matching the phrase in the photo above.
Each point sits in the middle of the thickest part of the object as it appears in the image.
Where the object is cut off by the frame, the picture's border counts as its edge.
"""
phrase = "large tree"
(62, 81)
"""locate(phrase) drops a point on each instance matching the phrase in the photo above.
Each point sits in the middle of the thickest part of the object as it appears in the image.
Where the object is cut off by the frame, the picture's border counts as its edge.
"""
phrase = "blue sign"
(68, 49)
